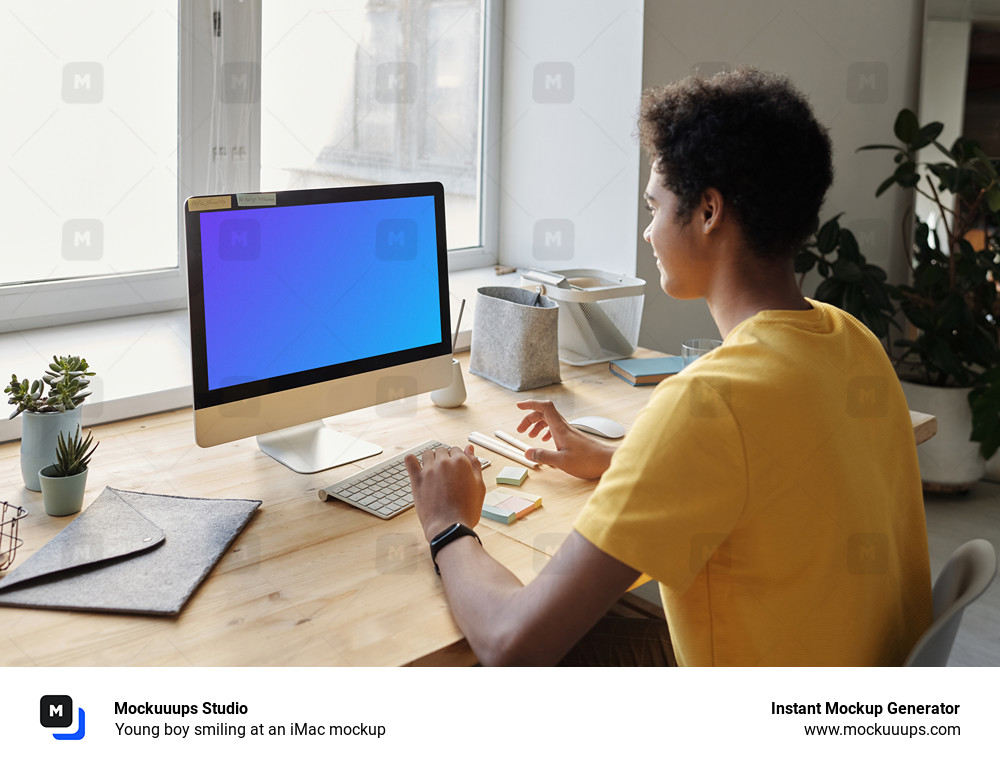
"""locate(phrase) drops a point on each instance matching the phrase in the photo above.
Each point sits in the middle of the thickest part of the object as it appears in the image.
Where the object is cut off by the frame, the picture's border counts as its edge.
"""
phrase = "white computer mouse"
(602, 427)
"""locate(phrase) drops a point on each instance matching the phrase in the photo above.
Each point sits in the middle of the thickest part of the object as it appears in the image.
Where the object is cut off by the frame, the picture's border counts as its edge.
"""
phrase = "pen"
(498, 447)
(458, 325)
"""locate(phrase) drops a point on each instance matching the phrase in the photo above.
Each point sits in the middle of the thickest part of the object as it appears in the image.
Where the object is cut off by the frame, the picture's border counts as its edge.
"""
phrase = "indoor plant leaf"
(907, 126)
(927, 134)
(828, 236)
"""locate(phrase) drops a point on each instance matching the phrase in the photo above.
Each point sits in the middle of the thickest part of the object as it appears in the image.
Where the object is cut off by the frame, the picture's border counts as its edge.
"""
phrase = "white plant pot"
(949, 461)
(39, 433)
(993, 468)
(454, 394)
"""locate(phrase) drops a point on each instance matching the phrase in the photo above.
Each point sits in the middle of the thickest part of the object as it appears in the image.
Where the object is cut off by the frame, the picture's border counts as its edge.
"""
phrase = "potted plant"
(849, 281)
(950, 364)
(64, 482)
(46, 414)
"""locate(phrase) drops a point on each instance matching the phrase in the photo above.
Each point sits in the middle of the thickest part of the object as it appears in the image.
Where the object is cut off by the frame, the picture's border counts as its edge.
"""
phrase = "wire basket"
(10, 516)
(599, 312)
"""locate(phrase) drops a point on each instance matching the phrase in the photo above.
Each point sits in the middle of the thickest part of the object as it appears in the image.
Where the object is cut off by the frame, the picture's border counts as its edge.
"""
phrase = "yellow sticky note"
(219, 202)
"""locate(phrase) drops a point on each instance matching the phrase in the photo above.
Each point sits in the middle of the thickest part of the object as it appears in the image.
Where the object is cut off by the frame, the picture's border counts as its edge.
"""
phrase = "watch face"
(445, 533)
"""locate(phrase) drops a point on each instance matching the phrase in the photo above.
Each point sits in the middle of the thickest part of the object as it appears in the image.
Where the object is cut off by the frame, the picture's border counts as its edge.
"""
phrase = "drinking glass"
(693, 348)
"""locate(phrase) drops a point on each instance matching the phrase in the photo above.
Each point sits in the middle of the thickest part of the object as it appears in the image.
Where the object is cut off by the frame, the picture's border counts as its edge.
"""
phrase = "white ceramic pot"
(453, 395)
(949, 461)
(993, 468)
(39, 432)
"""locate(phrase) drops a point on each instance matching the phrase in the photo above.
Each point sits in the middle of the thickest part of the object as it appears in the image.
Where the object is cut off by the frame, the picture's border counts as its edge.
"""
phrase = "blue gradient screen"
(295, 288)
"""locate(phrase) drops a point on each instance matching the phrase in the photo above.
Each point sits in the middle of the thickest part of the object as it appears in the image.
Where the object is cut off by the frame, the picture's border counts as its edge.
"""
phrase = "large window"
(88, 142)
(118, 111)
(371, 92)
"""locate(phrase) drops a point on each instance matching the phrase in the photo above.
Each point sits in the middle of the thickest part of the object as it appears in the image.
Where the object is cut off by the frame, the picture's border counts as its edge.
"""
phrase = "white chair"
(965, 576)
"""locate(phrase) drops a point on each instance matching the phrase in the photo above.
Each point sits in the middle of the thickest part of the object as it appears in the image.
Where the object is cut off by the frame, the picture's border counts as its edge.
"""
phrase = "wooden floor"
(951, 521)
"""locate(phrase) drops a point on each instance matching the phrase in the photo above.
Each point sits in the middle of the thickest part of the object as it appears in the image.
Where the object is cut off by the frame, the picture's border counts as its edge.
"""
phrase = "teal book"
(646, 371)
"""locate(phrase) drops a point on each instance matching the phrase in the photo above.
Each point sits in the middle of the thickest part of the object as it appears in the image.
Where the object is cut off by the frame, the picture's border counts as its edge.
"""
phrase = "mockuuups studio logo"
(397, 396)
(239, 240)
(553, 82)
(56, 711)
(396, 239)
(396, 82)
(397, 553)
(83, 82)
(868, 82)
(868, 554)
(872, 235)
(239, 82)
(868, 397)
(83, 239)
(553, 239)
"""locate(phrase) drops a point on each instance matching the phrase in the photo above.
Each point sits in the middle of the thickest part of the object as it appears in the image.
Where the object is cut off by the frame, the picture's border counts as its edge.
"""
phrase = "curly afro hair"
(752, 136)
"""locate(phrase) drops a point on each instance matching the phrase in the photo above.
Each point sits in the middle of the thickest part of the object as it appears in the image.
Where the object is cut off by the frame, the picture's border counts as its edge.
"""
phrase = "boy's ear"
(712, 209)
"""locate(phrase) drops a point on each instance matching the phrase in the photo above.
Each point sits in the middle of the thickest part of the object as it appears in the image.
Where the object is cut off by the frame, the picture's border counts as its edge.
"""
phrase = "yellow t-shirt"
(772, 488)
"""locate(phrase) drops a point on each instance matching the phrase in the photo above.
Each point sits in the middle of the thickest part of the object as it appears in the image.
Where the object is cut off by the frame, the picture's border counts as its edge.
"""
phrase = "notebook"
(646, 371)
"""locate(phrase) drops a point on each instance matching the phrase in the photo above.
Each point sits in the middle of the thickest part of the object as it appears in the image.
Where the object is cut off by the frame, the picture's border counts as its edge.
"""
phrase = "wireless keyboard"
(382, 489)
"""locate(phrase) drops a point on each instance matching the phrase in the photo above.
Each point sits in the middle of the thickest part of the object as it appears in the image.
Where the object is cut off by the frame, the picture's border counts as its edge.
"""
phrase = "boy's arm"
(507, 623)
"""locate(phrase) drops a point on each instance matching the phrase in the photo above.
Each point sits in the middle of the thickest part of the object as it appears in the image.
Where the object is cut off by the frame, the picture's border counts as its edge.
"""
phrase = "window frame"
(60, 302)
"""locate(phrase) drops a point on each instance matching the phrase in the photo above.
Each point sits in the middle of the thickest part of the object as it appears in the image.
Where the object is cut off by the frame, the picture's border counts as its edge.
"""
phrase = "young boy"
(771, 487)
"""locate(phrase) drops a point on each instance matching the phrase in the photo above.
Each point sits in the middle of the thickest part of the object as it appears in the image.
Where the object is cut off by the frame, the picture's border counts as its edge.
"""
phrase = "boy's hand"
(575, 452)
(447, 488)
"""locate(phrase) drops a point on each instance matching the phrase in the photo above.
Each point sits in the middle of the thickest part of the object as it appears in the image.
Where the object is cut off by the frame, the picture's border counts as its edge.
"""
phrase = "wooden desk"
(308, 582)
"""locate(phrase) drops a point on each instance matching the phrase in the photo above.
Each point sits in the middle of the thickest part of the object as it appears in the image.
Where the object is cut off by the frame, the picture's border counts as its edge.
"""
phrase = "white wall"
(944, 69)
(569, 160)
(943, 74)
(857, 61)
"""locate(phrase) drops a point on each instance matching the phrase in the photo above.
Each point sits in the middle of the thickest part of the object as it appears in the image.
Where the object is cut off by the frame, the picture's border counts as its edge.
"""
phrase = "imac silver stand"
(313, 447)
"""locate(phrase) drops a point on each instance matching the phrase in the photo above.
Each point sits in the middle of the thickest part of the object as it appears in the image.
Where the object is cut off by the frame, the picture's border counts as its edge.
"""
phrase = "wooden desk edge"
(458, 654)
(924, 426)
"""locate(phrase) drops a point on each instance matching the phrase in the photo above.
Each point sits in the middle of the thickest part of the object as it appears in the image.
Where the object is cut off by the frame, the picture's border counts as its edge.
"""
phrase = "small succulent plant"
(73, 453)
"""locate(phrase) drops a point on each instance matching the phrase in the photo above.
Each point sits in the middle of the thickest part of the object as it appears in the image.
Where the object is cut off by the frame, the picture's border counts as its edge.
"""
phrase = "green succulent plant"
(73, 454)
(67, 379)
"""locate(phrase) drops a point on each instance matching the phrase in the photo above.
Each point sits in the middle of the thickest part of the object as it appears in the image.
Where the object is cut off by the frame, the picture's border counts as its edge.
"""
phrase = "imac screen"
(297, 288)
(294, 288)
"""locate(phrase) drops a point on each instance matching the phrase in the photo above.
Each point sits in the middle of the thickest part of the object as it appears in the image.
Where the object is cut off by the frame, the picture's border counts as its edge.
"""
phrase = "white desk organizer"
(600, 312)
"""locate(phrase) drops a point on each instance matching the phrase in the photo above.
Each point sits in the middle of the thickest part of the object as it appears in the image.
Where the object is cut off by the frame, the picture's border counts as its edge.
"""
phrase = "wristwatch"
(449, 535)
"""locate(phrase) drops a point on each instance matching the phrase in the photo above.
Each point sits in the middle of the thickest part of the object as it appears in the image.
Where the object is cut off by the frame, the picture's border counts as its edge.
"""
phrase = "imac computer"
(309, 303)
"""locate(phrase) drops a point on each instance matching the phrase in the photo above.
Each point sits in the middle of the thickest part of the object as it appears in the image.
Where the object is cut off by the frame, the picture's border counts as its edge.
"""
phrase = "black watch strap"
(449, 535)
